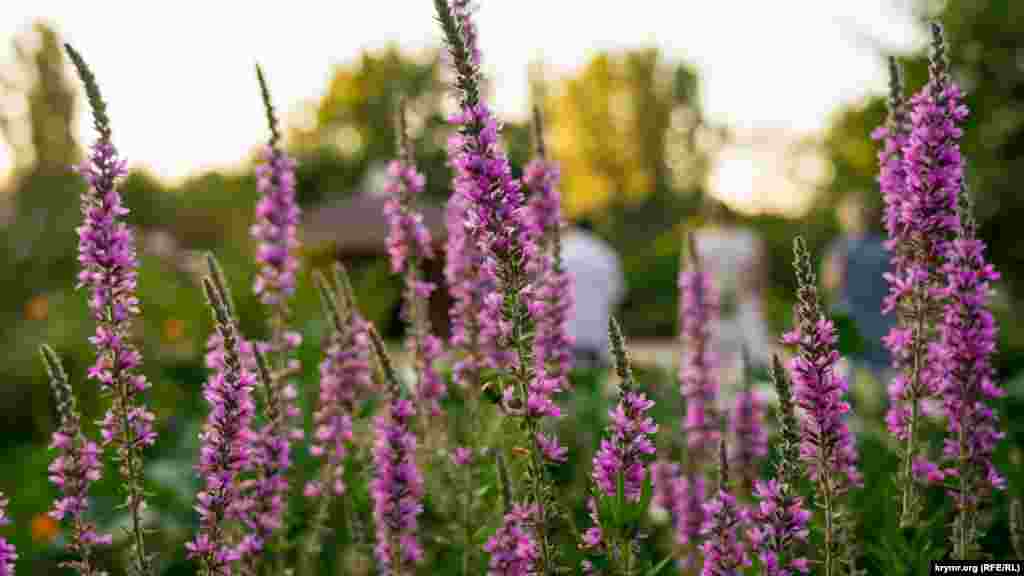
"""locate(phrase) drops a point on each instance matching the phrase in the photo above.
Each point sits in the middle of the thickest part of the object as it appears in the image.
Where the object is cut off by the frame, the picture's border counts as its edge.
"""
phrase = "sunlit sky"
(179, 79)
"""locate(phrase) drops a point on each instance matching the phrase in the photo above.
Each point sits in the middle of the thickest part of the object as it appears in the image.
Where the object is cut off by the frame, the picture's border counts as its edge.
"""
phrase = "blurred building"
(355, 228)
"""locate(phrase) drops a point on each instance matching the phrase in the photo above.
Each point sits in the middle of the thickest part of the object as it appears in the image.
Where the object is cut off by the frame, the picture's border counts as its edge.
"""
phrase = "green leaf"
(601, 563)
(605, 512)
(620, 499)
(659, 566)
(481, 530)
(636, 510)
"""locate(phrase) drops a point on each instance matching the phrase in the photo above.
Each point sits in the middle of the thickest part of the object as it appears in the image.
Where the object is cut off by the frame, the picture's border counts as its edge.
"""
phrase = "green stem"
(960, 531)
(829, 528)
(628, 559)
(909, 496)
(467, 548)
(515, 282)
(130, 459)
(311, 554)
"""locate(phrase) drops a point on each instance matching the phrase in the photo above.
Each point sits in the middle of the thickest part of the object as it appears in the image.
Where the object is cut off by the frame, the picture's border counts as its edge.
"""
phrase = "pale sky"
(182, 95)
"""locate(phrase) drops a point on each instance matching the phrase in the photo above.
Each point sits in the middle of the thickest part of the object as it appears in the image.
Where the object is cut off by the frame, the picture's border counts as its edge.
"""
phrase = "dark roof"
(356, 224)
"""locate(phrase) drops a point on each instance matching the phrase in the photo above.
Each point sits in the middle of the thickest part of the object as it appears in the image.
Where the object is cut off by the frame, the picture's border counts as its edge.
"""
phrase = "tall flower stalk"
(410, 245)
(106, 252)
(225, 442)
(698, 308)
(277, 219)
(513, 548)
(622, 468)
(397, 485)
(553, 286)
(921, 176)
(968, 338)
(470, 347)
(77, 466)
(8, 554)
(746, 426)
(472, 314)
(780, 520)
(826, 445)
(344, 375)
(724, 554)
(497, 222)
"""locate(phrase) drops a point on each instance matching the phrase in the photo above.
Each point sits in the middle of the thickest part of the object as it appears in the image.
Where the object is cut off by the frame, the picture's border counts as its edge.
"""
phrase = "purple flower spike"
(689, 493)
(968, 340)
(266, 495)
(344, 374)
(497, 214)
(345, 377)
(624, 451)
(780, 522)
(543, 215)
(397, 485)
(410, 244)
(397, 489)
(225, 451)
(697, 376)
(106, 252)
(922, 173)
(826, 444)
(513, 548)
(7, 552)
(277, 220)
(493, 221)
(892, 175)
(407, 235)
(75, 468)
(552, 298)
(552, 343)
(463, 11)
(724, 554)
(750, 439)
(494, 210)
(470, 312)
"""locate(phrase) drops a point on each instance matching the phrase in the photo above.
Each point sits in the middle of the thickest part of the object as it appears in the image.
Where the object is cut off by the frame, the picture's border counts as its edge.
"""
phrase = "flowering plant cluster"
(511, 302)
(946, 334)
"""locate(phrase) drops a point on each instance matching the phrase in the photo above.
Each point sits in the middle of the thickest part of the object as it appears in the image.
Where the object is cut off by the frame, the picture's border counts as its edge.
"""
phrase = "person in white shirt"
(598, 289)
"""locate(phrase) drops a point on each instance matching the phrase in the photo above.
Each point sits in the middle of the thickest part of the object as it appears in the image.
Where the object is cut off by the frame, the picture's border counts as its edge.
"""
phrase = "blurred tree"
(45, 191)
(352, 131)
(626, 130)
(630, 136)
(42, 137)
(37, 245)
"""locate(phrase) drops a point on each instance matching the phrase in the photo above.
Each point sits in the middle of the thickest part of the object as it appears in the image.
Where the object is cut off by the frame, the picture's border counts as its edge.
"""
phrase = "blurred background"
(761, 109)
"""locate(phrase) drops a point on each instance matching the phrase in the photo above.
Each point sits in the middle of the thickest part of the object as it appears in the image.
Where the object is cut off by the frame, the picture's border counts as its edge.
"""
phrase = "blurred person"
(598, 289)
(854, 268)
(735, 257)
